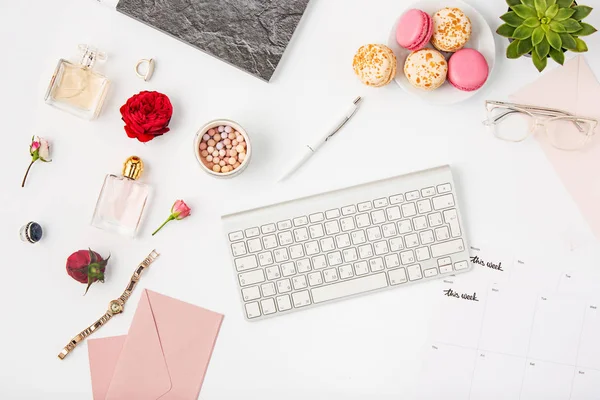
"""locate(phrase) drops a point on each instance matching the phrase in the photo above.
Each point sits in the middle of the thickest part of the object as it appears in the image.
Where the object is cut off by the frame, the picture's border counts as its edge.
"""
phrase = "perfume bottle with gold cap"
(76, 87)
(122, 200)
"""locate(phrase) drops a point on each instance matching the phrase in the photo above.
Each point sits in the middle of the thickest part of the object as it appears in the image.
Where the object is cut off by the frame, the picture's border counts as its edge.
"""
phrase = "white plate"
(482, 40)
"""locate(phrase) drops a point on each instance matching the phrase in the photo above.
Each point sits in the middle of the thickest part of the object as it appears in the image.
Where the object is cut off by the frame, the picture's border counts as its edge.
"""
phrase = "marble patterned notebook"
(249, 34)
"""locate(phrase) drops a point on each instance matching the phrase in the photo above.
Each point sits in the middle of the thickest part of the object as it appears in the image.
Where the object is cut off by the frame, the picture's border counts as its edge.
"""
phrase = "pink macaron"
(414, 29)
(467, 70)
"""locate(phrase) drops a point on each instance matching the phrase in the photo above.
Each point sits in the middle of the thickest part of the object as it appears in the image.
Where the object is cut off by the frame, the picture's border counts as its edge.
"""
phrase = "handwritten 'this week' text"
(466, 296)
(489, 264)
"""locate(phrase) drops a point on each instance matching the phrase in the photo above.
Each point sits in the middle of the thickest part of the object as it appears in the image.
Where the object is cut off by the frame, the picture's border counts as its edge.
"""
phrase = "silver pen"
(311, 149)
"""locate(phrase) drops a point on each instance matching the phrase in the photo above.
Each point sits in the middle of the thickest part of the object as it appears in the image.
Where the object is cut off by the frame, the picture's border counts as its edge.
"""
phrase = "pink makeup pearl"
(231, 136)
(205, 137)
(215, 153)
(216, 168)
(211, 132)
(240, 148)
(242, 156)
(226, 141)
(228, 146)
(232, 161)
(234, 142)
(211, 142)
(202, 146)
(222, 163)
(240, 139)
(210, 149)
(237, 164)
(233, 153)
(220, 145)
(216, 160)
(220, 128)
(217, 137)
(228, 129)
(209, 158)
(222, 152)
(204, 153)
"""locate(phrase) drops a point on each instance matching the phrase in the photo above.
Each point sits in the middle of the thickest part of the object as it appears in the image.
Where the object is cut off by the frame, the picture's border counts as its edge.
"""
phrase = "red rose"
(147, 115)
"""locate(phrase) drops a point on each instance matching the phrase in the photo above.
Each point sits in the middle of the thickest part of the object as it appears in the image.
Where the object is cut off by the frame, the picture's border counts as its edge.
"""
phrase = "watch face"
(115, 307)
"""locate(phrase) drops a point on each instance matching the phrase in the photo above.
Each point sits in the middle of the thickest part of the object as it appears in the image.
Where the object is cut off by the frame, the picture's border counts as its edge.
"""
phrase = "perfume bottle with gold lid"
(77, 88)
(122, 200)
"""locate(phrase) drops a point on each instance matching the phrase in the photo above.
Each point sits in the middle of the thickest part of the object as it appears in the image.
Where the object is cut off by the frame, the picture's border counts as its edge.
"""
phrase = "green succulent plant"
(545, 28)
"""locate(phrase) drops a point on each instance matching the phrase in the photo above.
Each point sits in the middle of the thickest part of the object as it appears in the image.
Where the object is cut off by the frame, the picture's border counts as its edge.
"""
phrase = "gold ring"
(146, 77)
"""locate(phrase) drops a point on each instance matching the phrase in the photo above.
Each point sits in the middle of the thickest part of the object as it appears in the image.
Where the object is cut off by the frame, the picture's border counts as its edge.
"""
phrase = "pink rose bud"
(39, 149)
(180, 210)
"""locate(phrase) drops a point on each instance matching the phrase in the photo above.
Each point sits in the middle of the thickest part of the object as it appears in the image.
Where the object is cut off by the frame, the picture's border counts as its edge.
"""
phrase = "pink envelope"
(574, 88)
(165, 354)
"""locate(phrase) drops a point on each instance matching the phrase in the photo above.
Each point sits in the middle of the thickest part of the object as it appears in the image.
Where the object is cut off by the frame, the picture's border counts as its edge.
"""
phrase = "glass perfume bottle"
(77, 88)
(122, 200)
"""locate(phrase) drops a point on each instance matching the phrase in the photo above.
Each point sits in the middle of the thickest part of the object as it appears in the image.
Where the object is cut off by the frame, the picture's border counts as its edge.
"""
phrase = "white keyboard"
(375, 236)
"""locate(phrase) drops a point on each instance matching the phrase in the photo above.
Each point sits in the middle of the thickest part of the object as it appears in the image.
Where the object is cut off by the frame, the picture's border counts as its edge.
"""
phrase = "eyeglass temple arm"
(537, 110)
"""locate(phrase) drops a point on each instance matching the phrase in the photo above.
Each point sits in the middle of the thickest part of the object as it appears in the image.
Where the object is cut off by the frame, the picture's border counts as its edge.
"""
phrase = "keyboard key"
(251, 293)
(404, 226)
(444, 261)
(342, 240)
(376, 264)
(268, 289)
(312, 248)
(283, 225)
(334, 258)
(330, 275)
(301, 299)
(273, 272)
(265, 258)
(447, 248)
(445, 188)
(389, 230)
(435, 219)
(422, 254)
(268, 306)
(251, 277)
(374, 233)
(316, 231)
(254, 245)
(350, 254)
(362, 220)
(428, 191)
(300, 221)
(380, 202)
(444, 201)
(424, 206)
(319, 261)
(288, 269)
(365, 251)
(269, 242)
(252, 310)
(407, 257)
(414, 272)
(396, 199)
(330, 214)
(351, 209)
(445, 269)
(349, 287)
(315, 278)
(284, 286)
(426, 237)
(327, 244)
(378, 216)
(420, 223)
(347, 224)
(332, 227)
(235, 236)
(346, 272)
(442, 233)
(461, 265)
(365, 206)
(303, 265)
(451, 218)
(396, 244)
(285, 238)
(381, 247)
(393, 213)
(361, 268)
(316, 217)
(299, 282)
(358, 237)
(252, 232)
(238, 249)
(297, 251)
(301, 234)
(245, 263)
(281, 255)
(430, 272)
(411, 240)
(284, 303)
(391, 261)
(410, 196)
(269, 228)
(397, 276)
(409, 210)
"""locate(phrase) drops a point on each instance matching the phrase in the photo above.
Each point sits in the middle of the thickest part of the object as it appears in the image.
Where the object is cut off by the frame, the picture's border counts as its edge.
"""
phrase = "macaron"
(426, 69)
(467, 70)
(375, 64)
(414, 29)
(451, 29)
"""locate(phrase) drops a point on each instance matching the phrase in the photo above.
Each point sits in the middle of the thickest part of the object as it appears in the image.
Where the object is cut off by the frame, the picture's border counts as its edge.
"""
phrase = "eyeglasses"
(516, 122)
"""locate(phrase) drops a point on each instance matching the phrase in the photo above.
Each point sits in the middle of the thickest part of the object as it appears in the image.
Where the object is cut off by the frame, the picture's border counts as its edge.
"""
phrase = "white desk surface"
(366, 347)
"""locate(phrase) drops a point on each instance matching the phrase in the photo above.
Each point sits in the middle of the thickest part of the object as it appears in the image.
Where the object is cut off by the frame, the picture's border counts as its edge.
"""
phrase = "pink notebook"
(165, 354)
(574, 88)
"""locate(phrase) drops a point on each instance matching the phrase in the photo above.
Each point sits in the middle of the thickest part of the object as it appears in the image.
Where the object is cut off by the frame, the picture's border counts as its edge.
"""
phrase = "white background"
(362, 348)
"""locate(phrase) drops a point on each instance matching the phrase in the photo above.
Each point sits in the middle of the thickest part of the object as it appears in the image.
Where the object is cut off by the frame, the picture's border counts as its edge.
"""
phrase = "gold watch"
(114, 307)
